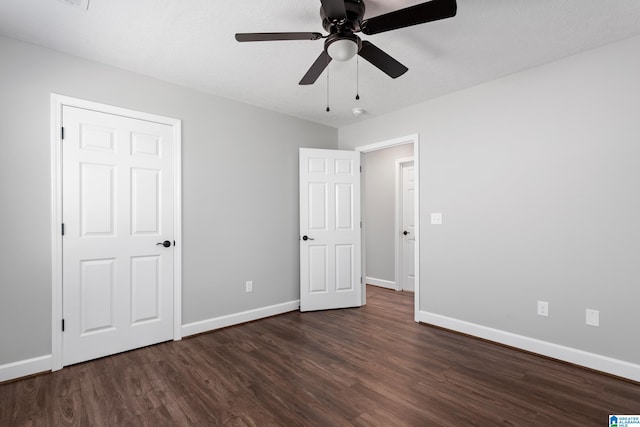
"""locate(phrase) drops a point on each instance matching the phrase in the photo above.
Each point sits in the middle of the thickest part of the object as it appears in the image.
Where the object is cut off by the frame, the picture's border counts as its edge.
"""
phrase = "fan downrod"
(355, 13)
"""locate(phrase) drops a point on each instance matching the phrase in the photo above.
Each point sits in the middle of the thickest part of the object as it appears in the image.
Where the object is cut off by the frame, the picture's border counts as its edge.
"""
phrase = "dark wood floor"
(367, 366)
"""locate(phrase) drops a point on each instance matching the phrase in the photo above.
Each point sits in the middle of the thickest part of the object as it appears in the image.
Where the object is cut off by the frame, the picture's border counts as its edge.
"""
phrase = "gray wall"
(240, 190)
(380, 209)
(537, 178)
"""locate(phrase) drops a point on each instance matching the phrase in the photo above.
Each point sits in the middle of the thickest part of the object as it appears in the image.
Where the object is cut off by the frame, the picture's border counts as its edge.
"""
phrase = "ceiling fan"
(344, 18)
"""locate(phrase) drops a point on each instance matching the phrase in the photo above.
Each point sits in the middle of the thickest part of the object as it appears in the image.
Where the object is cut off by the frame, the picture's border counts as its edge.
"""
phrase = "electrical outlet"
(249, 286)
(593, 317)
(436, 218)
(543, 308)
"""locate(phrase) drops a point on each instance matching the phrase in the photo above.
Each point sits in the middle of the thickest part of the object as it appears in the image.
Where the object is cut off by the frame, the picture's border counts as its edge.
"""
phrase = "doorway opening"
(382, 253)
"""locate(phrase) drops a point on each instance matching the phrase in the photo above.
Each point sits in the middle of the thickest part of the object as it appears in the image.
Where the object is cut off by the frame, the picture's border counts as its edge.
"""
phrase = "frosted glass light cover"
(342, 50)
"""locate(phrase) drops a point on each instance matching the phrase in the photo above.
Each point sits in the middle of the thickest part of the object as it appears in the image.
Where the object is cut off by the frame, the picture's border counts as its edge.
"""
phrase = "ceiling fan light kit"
(342, 48)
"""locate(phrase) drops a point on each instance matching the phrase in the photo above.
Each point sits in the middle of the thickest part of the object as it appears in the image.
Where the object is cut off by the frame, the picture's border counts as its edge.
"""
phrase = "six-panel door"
(117, 207)
(330, 220)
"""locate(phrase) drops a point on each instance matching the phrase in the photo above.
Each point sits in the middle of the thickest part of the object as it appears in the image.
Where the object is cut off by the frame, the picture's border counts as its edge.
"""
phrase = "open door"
(330, 249)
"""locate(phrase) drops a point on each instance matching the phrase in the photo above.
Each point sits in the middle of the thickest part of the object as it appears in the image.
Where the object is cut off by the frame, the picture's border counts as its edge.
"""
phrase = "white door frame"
(398, 220)
(57, 104)
(415, 139)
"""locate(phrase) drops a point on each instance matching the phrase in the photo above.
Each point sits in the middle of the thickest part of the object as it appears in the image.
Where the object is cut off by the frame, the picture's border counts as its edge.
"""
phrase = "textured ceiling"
(191, 43)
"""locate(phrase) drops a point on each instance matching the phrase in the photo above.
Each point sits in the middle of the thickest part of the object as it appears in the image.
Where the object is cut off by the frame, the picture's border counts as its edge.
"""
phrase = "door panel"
(97, 295)
(330, 218)
(145, 288)
(117, 183)
(317, 210)
(97, 198)
(145, 145)
(344, 268)
(317, 269)
(97, 138)
(145, 201)
(344, 206)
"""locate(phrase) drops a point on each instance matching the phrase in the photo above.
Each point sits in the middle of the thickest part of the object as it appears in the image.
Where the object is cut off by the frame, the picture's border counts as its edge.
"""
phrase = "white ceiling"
(191, 43)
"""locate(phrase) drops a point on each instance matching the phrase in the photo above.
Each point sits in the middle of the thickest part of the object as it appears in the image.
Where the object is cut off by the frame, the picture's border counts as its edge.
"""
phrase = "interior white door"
(330, 249)
(408, 227)
(117, 206)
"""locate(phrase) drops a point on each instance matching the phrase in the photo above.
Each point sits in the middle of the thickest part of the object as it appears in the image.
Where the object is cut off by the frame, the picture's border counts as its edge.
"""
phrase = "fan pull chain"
(357, 78)
(328, 109)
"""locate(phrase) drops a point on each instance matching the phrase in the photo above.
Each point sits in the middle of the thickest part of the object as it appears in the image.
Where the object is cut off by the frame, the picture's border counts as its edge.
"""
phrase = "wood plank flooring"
(370, 366)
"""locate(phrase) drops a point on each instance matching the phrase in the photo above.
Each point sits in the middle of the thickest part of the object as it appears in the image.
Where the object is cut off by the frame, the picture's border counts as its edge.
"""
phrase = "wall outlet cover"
(543, 308)
(436, 218)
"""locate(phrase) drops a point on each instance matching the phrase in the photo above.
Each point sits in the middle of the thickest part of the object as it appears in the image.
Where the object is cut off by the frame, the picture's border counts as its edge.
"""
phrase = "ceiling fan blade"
(334, 9)
(316, 69)
(381, 60)
(265, 37)
(419, 14)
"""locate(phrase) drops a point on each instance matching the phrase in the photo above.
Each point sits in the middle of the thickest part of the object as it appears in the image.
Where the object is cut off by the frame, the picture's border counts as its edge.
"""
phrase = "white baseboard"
(382, 283)
(594, 361)
(237, 318)
(23, 368)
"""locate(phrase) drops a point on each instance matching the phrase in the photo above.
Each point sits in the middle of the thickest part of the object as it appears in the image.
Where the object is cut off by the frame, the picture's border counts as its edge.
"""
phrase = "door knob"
(305, 238)
(405, 232)
(166, 244)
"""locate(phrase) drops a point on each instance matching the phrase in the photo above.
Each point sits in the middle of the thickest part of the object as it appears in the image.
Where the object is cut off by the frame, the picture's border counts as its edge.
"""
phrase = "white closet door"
(117, 211)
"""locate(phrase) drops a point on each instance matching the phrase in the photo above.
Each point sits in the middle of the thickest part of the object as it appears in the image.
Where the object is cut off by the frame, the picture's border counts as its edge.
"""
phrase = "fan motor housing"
(355, 12)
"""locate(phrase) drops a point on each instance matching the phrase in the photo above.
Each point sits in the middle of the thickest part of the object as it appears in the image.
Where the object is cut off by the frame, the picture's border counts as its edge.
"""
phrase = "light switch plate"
(593, 317)
(436, 218)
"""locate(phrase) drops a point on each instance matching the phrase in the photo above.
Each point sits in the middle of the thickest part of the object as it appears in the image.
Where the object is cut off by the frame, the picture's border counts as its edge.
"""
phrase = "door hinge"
(360, 169)
(63, 228)
(360, 224)
(361, 280)
(62, 325)
(62, 132)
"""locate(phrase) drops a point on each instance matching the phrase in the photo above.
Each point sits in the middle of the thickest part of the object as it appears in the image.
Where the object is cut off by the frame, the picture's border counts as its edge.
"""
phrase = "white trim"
(177, 230)
(238, 318)
(388, 143)
(23, 368)
(381, 283)
(398, 220)
(417, 284)
(56, 237)
(567, 354)
(363, 237)
(415, 140)
(57, 103)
